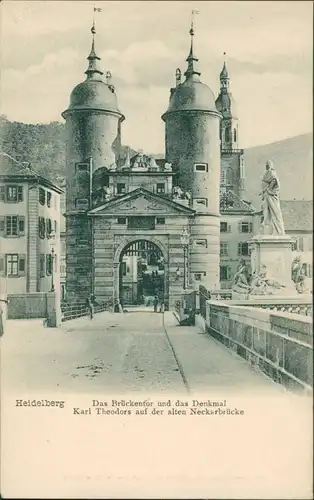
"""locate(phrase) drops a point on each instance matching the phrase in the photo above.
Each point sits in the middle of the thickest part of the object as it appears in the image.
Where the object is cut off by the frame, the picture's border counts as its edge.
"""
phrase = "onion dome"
(94, 93)
(192, 94)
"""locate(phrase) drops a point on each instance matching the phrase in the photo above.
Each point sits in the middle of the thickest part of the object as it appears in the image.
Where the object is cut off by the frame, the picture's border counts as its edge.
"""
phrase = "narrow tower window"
(201, 167)
(234, 135)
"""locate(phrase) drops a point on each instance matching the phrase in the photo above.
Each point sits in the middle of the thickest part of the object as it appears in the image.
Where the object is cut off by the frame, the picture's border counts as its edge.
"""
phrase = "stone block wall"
(278, 344)
(27, 305)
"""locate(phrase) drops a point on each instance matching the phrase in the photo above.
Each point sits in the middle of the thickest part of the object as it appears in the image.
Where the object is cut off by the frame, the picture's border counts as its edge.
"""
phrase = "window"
(223, 249)
(55, 223)
(141, 222)
(160, 220)
(198, 276)
(201, 201)
(12, 261)
(200, 243)
(42, 196)
(225, 227)
(81, 167)
(201, 167)
(243, 249)
(42, 265)
(48, 264)
(13, 194)
(41, 227)
(48, 199)
(82, 203)
(160, 188)
(2, 193)
(228, 134)
(121, 188)
(234, 135)
(225, 273)
(121, 220)
(15, 225)
(245, 227)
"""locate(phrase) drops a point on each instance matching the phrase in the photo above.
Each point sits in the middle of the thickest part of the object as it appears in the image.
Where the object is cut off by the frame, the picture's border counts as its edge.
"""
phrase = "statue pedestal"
(275, 253)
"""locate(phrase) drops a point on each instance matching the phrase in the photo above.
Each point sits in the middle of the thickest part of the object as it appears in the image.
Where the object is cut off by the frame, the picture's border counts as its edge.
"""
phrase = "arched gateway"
(141, 273)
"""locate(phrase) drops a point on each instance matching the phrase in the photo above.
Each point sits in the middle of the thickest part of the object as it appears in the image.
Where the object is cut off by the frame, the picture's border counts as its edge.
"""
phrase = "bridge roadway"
(123, 353)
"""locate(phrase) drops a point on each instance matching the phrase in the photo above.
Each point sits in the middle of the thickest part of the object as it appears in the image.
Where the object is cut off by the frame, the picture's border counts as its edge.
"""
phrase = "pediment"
(141, 202)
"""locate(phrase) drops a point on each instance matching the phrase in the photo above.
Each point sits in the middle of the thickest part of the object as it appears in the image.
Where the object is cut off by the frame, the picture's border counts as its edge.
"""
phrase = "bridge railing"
(79, 310)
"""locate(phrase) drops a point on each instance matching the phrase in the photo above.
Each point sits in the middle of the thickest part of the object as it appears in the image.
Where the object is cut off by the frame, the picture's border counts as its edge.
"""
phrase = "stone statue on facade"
(272, 217)
(168, 167)
(177, 193)
(140, 163)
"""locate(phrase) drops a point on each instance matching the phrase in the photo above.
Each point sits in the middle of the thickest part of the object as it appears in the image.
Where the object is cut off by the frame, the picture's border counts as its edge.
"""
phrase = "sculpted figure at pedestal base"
(272, 217)
(240, 283)
(262, 285)
(298, 275)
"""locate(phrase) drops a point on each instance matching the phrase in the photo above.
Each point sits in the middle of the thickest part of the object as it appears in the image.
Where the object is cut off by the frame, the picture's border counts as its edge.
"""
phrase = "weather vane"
(193, 13)
(95, 9)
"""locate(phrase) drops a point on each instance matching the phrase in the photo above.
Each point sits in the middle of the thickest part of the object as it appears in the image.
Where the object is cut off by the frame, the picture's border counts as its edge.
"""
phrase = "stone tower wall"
(89, 134)
(193, 137)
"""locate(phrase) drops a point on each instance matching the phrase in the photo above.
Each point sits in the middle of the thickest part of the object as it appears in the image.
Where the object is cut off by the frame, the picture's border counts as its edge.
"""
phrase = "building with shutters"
(29, 228)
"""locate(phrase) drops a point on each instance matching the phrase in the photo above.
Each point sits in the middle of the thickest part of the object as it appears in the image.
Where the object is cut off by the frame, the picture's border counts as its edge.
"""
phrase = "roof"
(231, 203)
(297, 215)
(13, 170)
(126, 203)
(192, 95)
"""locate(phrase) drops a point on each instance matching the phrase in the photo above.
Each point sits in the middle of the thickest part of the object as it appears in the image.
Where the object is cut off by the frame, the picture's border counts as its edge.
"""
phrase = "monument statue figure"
(272, 216)
(240, 282)
(262, 285)
(298, 274)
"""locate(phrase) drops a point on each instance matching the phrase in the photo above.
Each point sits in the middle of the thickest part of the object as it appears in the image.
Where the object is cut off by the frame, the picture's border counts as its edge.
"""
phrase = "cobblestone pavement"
(121, 353)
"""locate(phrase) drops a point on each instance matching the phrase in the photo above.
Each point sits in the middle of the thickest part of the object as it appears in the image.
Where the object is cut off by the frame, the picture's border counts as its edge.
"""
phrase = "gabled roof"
(148, 202)
(230, 203)
(15, 171)
(297, 215)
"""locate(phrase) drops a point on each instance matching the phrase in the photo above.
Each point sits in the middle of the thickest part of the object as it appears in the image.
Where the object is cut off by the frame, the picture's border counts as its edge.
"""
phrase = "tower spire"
(93, 69)
(191, 59)
(224, 75)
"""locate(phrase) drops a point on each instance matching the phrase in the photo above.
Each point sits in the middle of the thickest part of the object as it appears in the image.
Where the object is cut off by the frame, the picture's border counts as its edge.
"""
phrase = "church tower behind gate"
(192, 146)
(93, 123)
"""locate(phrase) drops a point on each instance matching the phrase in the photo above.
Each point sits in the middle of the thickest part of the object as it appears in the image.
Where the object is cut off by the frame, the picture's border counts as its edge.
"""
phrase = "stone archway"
(120, 250)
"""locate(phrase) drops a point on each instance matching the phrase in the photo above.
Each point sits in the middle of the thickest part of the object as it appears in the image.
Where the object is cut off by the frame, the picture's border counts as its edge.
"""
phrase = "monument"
(271, 249)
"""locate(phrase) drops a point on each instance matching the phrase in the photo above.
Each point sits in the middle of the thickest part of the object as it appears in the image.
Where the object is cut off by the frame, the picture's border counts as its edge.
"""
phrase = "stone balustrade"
(279, 344)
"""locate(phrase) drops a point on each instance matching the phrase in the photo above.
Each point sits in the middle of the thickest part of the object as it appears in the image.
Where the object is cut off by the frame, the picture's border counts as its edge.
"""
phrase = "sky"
(268, 49)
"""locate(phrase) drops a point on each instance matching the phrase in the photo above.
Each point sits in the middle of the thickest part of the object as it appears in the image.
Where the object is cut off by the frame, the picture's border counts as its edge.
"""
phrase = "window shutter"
(228, 273)
(229, 228)
(22, 265)
(2, 225)
(239, 248)
(2, 266)
(21, 225)
(20, 193)
(251, 227)
(2, 193)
